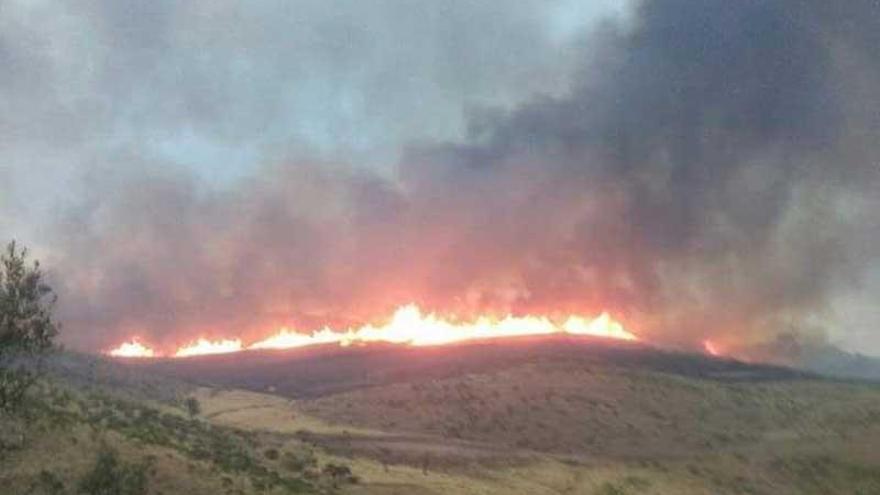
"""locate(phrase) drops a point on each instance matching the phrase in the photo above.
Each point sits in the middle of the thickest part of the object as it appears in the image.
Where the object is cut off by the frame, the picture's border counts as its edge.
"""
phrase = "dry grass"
(566, 408)
(562, 428)
(255, 411)
(536, 427)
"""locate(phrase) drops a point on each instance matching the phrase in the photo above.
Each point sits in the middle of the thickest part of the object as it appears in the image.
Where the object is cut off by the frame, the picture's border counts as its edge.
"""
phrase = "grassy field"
(582, 422)
(549, 428)
(592, 422)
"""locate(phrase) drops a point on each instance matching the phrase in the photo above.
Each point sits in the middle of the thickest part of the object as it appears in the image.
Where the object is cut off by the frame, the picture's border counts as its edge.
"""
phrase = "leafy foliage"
(26, 325)
(110, 476)
(47, 483)
(229, 451)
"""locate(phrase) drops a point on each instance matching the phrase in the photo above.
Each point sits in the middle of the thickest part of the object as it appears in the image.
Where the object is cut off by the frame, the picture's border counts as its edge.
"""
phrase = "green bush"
(193, 408)
(110, 476)
(47, 484)
(26, 325)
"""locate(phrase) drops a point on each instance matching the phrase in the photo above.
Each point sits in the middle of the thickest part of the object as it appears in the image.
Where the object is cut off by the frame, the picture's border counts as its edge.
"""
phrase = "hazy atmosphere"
(440, 247)
(219, 169)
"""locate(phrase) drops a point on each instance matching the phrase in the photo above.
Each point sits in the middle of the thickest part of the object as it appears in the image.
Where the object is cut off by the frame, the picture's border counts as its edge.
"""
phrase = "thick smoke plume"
(710, 173)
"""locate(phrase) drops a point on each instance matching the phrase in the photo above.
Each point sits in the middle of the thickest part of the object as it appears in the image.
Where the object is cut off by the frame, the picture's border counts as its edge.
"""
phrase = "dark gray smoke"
(709, 174)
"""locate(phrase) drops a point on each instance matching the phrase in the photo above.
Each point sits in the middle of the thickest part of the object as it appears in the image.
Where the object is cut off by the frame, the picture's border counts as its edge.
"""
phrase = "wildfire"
(711, 348)
(204, 346)
(133, 349)
(409, 326)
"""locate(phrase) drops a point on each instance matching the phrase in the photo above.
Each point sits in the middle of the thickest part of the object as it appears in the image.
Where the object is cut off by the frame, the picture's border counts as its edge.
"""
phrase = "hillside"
(322, 370)
(531, 416)
(96, 427)
(554, 415)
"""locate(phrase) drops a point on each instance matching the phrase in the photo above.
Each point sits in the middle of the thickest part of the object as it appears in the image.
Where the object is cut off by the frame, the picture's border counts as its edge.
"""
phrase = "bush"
(339, 473)
(193, 408)
(299, 462)
(47, 484)
(14, 383)
(26, 325)
(110, 476)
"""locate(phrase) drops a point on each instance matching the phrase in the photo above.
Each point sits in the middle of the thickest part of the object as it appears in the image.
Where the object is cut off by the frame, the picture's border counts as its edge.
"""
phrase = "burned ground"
(324, 370)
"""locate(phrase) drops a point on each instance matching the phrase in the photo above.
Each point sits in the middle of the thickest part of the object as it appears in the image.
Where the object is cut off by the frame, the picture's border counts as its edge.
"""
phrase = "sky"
(218, 89)
(218, 167)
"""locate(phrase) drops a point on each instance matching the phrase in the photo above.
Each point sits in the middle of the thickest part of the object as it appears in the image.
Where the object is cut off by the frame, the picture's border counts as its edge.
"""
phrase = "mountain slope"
(555, 415)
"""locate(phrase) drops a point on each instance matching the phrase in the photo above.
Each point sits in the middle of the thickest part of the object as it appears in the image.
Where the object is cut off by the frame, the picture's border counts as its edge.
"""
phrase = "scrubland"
(586, 421)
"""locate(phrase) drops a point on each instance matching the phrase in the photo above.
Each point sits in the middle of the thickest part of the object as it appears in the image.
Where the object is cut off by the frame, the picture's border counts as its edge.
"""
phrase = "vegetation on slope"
(96, 443)
(92, 428)
(657, 432)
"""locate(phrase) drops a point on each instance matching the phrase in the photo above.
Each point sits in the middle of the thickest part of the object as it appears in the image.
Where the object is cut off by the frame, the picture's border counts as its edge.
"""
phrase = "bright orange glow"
(287, 339)
(204, 346)
(410, 326)
(711, 348)
(602, 326)
(133, 349)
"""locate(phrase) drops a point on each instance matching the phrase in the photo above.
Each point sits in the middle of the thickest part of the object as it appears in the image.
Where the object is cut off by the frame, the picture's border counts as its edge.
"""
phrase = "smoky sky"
(699, 169)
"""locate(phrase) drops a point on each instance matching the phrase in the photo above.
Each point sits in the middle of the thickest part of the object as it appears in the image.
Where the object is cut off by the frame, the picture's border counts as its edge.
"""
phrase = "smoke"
(708, 173)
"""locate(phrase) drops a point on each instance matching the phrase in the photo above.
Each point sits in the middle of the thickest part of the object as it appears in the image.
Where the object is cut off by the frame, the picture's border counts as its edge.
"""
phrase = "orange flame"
(711, 348)
(204, 346)
(410, 326)
(132, 349)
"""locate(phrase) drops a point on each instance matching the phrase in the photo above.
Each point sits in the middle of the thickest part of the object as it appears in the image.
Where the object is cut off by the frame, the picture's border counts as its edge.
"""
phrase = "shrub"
(26, 325)
(339, 473)
(110, 476)
(47, 484)
(193, 408)
(299, 462)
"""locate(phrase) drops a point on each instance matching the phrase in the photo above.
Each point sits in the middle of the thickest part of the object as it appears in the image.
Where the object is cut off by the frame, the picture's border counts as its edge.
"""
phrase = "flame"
(711, 348)
(132, 349)
(602, 326)
(410, 326)
(204, 346)
(287, 339)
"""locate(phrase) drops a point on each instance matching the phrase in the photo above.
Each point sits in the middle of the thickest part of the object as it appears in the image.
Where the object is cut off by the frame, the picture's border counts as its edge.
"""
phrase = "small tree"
(111, 476)
(193, 408)
(26, 325)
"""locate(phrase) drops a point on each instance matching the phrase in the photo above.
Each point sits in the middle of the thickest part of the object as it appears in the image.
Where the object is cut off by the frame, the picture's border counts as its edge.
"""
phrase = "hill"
(322, 370)
(531, 416)
(93, 426)
(555, 414)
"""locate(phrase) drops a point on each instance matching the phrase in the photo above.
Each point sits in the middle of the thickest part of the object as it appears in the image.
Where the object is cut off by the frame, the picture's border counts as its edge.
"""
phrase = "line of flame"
(132, 349)
(408, 326)
(205, 346)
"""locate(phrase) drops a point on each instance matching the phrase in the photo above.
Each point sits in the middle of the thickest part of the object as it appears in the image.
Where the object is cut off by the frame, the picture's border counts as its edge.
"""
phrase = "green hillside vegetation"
(538, 428)
(65, 441)
(76, 425)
